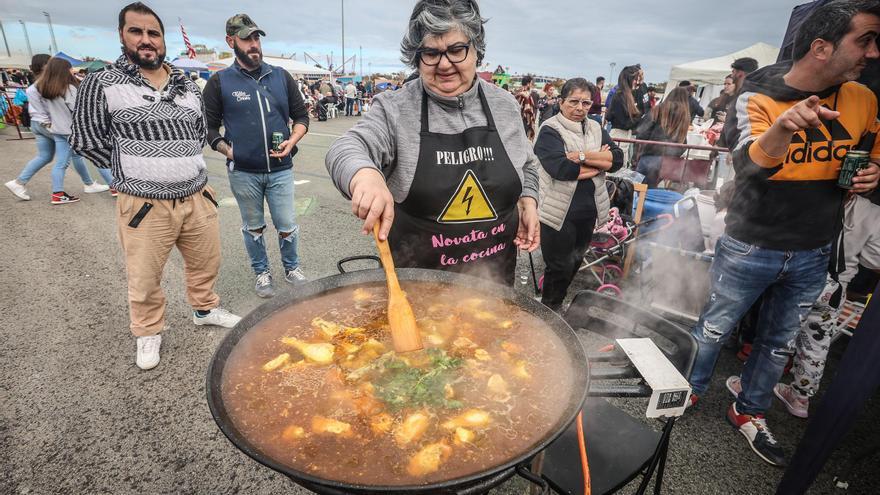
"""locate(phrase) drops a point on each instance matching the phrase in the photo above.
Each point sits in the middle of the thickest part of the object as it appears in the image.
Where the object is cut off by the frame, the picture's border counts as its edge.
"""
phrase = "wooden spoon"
(404, 332)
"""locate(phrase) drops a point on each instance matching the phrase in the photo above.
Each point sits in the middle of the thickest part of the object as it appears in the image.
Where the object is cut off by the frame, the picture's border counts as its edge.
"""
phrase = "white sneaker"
(217, 317)
(295, 276)
(264, 285)
(94, 187)
(18, 189)
(148, 351)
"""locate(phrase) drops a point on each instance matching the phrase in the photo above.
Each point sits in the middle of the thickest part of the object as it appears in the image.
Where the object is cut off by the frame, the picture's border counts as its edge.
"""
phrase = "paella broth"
(316, 387)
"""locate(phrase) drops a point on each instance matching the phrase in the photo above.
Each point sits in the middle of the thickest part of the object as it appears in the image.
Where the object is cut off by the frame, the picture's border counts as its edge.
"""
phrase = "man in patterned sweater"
(145, 121)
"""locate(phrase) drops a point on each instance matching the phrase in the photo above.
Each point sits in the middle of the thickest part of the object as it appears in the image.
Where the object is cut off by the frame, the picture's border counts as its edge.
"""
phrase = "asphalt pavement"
(77, 416)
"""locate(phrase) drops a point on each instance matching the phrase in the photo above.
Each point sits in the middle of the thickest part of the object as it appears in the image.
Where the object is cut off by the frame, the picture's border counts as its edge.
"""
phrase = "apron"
(461, 212)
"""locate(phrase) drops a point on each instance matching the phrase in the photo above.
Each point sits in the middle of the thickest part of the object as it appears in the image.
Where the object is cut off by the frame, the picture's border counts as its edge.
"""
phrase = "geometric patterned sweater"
(151, 140)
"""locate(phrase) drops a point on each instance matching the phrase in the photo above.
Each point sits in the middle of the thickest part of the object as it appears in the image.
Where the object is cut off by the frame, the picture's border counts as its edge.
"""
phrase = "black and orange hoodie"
(792, 202)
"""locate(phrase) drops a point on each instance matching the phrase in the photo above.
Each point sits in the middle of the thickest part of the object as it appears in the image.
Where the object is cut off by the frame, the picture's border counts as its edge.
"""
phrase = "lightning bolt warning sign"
(469, 203)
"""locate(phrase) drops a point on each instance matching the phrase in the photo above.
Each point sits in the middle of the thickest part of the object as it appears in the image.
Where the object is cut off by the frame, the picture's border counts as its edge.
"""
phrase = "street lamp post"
(611, 76)
(3, 31)
(27, 39)
(343, 36)
(51, 32)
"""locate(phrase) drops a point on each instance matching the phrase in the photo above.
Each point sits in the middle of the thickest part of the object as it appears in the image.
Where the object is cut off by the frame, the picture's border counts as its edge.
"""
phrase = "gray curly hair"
(438, 17)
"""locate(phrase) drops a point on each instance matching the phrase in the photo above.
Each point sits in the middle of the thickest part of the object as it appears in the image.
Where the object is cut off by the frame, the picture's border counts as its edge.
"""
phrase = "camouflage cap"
(243, 26)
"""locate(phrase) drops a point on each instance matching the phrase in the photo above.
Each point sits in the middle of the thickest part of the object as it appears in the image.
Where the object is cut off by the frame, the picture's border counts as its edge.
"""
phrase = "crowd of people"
(449, 154)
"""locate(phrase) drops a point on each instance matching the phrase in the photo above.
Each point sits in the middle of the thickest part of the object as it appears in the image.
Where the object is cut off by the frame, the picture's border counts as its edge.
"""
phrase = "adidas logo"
(818, 145)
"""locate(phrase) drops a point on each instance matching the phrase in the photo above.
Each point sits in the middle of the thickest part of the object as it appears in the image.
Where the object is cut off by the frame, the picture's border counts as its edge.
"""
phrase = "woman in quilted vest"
(575, 152)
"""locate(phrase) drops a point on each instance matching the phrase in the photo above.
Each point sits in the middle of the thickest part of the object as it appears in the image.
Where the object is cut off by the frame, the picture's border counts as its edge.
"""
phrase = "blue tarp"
(74, 62)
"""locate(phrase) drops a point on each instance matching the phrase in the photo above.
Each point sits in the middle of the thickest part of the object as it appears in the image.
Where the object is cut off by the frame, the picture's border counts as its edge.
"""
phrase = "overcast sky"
(563, 38)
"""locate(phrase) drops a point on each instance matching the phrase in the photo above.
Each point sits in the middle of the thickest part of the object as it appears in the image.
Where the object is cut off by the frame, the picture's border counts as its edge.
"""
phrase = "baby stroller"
(608, 248)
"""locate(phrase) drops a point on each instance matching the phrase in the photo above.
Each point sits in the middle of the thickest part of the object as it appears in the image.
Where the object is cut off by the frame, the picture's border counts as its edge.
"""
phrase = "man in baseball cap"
(243, 26)
(254, 102)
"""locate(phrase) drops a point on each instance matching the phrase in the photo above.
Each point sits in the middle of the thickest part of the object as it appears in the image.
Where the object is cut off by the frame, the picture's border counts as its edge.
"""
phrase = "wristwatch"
(582, 157)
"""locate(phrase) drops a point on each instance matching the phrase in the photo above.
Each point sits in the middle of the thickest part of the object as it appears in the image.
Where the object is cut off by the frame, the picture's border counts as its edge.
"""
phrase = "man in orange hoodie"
(794, 123)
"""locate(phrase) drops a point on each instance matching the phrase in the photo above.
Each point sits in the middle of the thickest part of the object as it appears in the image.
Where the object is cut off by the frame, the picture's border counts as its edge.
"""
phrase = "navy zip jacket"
(252, 105)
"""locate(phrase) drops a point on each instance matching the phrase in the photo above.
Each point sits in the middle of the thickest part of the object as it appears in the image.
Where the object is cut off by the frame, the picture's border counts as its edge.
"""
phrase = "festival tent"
(16, 61)
(93, 65)
(295, 67)
(710, 73)
(189, 64)
(73, 61)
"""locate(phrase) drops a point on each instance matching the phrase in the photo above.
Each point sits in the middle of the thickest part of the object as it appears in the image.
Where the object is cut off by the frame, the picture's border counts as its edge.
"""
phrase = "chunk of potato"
(381, 423)
(463, 342)
(321, 353)
(276, 363)
(327, 328)
(482, 355)
(472, 418)
(496, 385)
(412, 428)
(521, 370)
(429, 459)
(349, 348)
(293, 432)
(448, 391)
(321, 424)
(506, 324)
(463, 436)
(361, 295)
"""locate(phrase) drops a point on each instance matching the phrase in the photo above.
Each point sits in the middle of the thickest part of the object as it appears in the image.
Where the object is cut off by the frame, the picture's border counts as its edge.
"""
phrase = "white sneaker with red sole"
(760, 439)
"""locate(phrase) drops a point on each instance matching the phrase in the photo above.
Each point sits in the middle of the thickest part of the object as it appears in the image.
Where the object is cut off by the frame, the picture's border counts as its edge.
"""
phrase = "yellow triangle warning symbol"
(469, 203)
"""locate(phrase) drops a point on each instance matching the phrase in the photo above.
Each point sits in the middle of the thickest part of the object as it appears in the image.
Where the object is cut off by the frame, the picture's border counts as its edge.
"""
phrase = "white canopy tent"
(16, 61)
(709, 74)
(295, 67)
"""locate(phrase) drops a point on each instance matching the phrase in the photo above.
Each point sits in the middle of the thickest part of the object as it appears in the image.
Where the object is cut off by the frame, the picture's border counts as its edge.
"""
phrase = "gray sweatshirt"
(861, 237)
(388, 136)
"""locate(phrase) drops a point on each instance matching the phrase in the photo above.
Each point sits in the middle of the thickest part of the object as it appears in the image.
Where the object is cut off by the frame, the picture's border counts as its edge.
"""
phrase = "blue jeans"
(276, 189)
(349, 106)
(790, 281)
(49, 145)
(649, 166)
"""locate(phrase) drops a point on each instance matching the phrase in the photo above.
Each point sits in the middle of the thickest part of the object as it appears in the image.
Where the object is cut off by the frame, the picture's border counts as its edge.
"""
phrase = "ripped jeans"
(252, 191)
(790, 281)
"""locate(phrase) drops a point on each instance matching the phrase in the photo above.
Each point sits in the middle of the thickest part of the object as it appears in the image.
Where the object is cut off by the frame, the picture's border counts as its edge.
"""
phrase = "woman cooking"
(443, 163)
(575, 153)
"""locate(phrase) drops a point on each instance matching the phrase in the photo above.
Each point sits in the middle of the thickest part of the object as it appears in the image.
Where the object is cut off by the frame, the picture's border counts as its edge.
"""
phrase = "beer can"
(852, 163)
(277, 139)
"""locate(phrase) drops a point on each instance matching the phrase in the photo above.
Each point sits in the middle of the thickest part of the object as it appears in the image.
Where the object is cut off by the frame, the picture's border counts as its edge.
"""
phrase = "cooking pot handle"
(343, 261)
(524, 471)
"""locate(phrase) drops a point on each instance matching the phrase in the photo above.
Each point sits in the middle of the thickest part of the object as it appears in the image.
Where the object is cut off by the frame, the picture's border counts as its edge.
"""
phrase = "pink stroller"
(607, 251)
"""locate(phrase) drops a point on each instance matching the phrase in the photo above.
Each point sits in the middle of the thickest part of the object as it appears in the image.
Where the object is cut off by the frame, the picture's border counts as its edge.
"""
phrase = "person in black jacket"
(667, 122)
(693, 103)
(623, 111)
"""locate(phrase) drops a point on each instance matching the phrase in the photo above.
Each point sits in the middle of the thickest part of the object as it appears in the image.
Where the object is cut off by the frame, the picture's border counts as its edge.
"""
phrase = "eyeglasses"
(577, 103)
(455, 54)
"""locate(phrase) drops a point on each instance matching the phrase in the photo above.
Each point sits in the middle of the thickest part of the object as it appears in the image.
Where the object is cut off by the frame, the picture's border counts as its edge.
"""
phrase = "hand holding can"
(277, 139)
(852, 163)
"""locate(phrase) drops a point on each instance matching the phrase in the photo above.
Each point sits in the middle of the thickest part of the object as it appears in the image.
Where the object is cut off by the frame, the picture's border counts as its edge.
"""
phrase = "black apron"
(461, 212)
